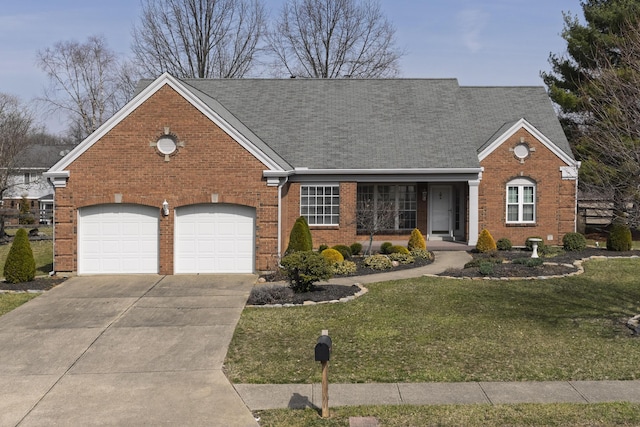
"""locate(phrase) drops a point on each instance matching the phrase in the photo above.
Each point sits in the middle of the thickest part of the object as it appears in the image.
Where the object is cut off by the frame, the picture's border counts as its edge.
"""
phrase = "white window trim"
(520, 183)
(324, 185)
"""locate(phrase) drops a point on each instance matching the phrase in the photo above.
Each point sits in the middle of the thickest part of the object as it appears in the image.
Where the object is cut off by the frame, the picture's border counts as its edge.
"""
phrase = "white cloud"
(471, 23)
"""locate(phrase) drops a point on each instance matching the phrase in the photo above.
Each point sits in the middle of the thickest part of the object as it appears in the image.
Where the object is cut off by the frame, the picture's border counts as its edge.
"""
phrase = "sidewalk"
(298, 396)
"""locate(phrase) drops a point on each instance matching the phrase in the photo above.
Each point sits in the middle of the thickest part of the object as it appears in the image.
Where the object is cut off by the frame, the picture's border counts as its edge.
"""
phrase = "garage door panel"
(214, 239)
(118, 238)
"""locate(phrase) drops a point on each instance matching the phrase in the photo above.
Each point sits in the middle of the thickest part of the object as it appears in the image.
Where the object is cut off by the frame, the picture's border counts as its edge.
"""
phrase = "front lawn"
(564, 415)
(10, 301)
(439, 329)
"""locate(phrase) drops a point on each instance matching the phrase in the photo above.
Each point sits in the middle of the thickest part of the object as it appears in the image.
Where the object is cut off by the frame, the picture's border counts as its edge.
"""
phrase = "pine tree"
(20, 265)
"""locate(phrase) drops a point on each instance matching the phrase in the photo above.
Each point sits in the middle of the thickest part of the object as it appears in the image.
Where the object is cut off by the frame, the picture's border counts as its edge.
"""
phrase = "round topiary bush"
(378, 262)
(385, 248)
(344, 250)
(303, 269)
(574, 242)
(485, 242)
(20, 265)
(504, 244)
(332, 255)
(356, 248)
(619, 238)
(416, 241)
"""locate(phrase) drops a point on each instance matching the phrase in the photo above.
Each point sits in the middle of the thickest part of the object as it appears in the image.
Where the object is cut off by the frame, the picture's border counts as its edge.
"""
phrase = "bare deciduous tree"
(333, 39)
(87, 81)
(199, 38)
(374, 217)
(15, 126)
(610, 143)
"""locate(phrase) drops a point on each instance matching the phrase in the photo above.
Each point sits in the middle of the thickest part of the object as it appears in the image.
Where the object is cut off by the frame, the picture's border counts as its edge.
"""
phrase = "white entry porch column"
(473, 213)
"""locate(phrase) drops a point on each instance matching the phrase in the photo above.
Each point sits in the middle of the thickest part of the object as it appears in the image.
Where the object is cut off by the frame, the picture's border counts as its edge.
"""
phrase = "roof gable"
(235, 130)
(508, 130)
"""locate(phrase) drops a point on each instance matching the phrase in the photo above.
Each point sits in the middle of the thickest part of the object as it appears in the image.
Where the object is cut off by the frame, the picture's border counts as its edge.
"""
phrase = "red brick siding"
(555, 198)
(123, 162)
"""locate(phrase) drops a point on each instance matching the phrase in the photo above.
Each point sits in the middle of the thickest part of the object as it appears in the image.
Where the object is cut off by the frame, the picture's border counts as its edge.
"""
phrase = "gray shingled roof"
(42, 156)
(378, 124)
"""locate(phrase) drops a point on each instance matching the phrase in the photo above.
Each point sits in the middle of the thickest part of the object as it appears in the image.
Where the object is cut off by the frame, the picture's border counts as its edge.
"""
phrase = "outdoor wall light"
(165, 208)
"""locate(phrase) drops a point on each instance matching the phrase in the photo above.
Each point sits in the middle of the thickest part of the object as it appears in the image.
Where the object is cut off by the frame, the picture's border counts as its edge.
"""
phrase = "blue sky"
(479, 42)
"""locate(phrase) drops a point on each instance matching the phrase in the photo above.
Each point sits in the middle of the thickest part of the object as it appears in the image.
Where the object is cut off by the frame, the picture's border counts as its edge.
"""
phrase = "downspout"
(280, 185)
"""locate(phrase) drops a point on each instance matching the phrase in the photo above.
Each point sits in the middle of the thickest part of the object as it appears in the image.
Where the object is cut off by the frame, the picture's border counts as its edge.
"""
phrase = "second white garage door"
(214, 238)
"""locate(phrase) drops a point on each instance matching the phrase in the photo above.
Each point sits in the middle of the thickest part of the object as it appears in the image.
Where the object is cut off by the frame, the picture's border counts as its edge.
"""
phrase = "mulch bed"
(557, 265)
(37, 284)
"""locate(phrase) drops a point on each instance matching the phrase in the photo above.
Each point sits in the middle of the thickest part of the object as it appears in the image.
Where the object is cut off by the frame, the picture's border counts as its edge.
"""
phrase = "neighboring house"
(208, 176)
(28, 183)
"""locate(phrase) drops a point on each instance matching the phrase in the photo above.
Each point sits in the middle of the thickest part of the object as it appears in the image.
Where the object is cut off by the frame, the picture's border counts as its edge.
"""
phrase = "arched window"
(521, 201)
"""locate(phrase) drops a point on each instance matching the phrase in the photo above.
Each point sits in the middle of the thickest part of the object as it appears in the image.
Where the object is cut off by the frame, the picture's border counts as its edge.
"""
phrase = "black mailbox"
(323, 348)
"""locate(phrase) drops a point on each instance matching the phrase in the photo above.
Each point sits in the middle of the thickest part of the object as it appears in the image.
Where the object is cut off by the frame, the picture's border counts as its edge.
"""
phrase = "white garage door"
(214, 238)
(118, 238)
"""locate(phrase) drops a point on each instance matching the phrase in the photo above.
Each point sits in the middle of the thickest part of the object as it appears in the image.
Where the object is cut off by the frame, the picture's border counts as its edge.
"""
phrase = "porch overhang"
(375, 175)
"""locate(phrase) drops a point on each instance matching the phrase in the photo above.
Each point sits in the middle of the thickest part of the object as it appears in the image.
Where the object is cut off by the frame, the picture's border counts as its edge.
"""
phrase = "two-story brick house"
(208, 176)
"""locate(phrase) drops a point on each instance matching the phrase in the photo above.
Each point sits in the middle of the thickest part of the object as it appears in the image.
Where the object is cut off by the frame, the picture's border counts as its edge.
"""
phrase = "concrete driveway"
(124, 350)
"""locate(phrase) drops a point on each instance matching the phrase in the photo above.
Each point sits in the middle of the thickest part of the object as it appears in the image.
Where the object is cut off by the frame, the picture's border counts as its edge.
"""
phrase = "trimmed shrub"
(397, 249)
(378, 262)
(344, 267)
(619, 238)
(20, 265)
(344, 250)
(485, 242)
(332, 255)
(385, 248)
(504, 244)
(261, 295)
(416, 241)
(322, 248)
(303, 269)
(421, 254)
(300, 237)
(402, 258)
(486, 268)
(529, 262)
(574, 242)
(356, 248)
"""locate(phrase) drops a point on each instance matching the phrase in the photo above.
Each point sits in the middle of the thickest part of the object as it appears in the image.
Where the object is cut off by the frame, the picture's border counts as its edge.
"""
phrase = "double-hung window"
(320, 204)
(521, 201)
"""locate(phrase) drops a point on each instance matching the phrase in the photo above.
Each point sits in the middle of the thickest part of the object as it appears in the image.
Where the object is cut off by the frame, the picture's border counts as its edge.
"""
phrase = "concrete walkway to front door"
(124, 350)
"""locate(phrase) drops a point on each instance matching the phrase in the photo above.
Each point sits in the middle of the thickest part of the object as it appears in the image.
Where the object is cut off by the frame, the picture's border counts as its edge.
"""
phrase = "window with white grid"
(521, 201)
(320, 204)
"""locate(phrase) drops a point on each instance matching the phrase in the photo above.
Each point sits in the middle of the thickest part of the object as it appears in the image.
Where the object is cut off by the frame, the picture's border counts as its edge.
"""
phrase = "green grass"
(445, 330)
(608, 414)
(9, 302)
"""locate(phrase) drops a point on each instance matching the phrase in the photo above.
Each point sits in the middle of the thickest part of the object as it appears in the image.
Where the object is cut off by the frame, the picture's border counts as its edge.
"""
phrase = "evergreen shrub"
(416, 241)
(397, 249)
(574, 242)
(300, 237)
(385, 248)
(378, 262)
(20, 265)
(356, 248)
(344, 250)
(485, 242)
(332, 255)
(619, 238)
(504, 244)
(303, 269)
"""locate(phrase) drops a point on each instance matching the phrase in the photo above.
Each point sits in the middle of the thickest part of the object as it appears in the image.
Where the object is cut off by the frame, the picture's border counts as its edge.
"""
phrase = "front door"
(440, 211)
